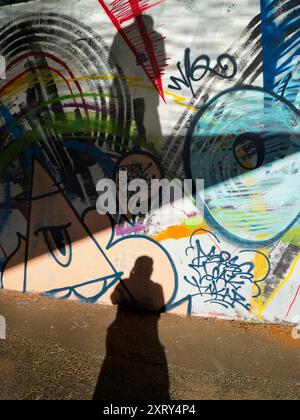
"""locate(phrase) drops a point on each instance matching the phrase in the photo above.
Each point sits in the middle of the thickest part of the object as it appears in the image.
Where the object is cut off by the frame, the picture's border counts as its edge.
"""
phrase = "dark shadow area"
(11, 2)
(135, 367)
(145, 101)
(64, 146)
(40, 201)
(53, 163)
(46, 202)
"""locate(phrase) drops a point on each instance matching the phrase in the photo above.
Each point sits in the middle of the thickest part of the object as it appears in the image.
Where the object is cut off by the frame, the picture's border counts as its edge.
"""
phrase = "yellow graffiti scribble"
(178, 99)
(27, 81)
(259, 273)
(277, 290)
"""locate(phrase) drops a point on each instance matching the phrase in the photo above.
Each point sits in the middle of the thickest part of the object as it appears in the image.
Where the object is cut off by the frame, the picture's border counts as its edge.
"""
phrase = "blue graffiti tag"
(219, 277)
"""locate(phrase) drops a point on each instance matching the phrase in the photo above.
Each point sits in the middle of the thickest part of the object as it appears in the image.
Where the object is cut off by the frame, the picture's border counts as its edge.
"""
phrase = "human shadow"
(135, 366)
(149, 54)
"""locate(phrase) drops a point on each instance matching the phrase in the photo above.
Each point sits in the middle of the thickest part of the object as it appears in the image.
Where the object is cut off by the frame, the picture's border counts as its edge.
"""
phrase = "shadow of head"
(143, 268)
(147, 20)
(139, 291)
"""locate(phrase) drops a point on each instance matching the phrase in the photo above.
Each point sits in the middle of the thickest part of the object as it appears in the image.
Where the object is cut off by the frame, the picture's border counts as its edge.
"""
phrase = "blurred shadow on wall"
(145, 98)
(135, 367)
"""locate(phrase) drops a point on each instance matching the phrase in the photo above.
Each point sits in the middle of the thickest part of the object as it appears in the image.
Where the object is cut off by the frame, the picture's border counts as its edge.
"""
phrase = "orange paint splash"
(176, 232)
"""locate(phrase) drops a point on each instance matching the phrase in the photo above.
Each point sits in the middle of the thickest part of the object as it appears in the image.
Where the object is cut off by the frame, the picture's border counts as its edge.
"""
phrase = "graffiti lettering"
(196, 71)
(79, 106)
(219, 277)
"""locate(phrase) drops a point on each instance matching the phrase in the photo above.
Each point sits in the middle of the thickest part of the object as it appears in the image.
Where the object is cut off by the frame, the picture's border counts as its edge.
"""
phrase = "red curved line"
(57, 60)
(38, 68)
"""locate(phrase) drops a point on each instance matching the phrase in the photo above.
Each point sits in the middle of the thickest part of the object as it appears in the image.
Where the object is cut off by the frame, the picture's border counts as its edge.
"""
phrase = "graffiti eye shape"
(249, 151)
(59, 244)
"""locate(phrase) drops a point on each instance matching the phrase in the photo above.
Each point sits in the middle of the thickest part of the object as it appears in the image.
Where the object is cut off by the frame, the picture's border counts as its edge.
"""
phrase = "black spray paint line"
(55, 33)
(248, 46)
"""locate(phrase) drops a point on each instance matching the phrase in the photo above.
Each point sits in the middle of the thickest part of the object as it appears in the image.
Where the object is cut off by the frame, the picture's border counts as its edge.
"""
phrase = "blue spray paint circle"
(245, 144)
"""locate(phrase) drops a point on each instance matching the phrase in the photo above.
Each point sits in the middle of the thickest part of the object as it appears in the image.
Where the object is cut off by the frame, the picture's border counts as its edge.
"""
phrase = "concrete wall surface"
(174, 89)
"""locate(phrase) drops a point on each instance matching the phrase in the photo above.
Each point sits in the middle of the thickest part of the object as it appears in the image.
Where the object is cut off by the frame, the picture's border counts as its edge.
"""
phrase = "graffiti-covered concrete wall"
(173, 89)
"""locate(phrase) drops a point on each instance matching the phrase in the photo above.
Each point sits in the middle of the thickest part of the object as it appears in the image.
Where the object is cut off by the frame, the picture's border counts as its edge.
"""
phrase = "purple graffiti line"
(220, 277)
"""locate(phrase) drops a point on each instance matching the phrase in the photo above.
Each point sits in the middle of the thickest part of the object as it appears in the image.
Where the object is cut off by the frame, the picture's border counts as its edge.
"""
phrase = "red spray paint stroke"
(293, 303)
(121, 11)
(18, 76)
(56, 60)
